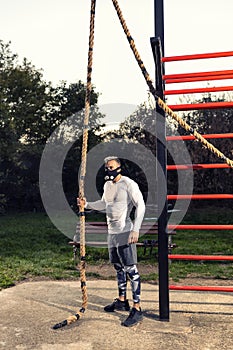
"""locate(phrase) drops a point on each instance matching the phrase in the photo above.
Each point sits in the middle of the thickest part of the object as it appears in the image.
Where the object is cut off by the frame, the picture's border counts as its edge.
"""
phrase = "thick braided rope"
(188, 128)
(84, 158)
(160, 102)
(82, 267)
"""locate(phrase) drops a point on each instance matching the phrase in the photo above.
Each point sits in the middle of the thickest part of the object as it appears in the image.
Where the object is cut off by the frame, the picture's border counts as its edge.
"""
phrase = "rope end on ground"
(67, 322)
(60, 325)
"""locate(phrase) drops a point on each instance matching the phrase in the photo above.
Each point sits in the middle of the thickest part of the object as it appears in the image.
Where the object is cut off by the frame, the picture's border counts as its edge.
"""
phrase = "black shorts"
(120, 251)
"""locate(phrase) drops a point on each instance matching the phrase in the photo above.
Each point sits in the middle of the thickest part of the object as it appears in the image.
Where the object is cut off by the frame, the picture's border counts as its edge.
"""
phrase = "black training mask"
(112, 174)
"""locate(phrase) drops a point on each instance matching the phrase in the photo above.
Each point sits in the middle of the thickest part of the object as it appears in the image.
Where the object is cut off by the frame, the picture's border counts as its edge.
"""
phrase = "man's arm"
(139, 204)
(97, 205)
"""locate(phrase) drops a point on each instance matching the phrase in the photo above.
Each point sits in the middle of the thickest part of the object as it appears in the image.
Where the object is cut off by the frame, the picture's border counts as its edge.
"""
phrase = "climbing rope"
(198, 136)
(159, 101)
(82, 267)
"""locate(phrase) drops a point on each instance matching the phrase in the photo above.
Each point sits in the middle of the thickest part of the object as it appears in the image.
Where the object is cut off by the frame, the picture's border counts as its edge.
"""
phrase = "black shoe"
(117, 305)
(134, 317)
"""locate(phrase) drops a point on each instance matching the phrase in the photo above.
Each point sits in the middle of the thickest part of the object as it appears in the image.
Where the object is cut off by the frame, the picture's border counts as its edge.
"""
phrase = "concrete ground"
(198, 320)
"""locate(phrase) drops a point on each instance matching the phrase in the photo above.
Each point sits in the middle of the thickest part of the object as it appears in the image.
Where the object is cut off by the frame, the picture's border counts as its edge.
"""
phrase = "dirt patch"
(106, 271)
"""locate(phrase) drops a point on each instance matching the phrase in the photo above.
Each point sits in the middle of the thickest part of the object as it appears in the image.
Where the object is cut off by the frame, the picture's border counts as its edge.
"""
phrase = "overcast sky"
(53, 35)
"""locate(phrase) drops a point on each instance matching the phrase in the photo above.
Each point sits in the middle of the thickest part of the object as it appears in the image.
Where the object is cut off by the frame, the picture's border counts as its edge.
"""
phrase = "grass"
(204, 243)
(31, 247)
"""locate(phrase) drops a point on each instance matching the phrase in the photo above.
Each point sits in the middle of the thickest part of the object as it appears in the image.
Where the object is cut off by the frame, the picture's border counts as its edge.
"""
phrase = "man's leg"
(120, 303)
(135, 282)
(135, 315)
(128, 257)
(121, 280)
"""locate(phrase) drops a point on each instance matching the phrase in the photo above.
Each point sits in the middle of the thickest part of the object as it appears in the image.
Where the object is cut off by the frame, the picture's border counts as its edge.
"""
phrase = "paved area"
(198, 320)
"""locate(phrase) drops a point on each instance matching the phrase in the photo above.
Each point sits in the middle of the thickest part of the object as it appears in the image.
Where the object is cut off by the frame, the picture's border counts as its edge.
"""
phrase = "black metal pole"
(161, 152)
(159, 21)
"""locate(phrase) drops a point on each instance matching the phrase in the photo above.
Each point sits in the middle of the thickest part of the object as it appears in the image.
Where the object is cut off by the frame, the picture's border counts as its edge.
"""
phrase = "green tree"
(23, 101)
(30, 110)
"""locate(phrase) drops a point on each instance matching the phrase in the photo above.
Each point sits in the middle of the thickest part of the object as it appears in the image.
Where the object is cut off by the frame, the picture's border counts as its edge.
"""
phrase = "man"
(120, 195)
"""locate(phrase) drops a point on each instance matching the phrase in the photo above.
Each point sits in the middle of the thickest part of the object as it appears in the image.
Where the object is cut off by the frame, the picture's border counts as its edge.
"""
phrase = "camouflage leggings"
(134, 277)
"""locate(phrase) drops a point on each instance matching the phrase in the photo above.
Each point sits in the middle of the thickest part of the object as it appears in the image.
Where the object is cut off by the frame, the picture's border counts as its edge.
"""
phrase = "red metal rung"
(192, 79)
(197, 166)
(199, 227)
(199, 106)
(198, 90)
(207, 136)
(202, 288)
(200, 257)
(199, 196)
(197, 74)
(197, 56)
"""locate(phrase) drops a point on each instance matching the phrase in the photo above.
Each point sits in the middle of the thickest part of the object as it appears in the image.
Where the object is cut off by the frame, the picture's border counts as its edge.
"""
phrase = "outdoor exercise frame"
(157, 44)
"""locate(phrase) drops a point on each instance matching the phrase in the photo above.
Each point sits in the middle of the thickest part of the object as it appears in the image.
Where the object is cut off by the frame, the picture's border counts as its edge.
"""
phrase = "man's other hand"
(133, 237)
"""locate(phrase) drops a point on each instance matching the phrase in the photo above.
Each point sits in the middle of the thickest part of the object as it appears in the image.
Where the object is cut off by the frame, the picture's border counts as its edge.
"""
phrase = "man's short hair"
(107, 159)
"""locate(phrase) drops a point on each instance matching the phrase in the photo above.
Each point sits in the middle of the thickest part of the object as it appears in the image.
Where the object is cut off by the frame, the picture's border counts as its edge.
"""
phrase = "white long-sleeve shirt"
(118, 200)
